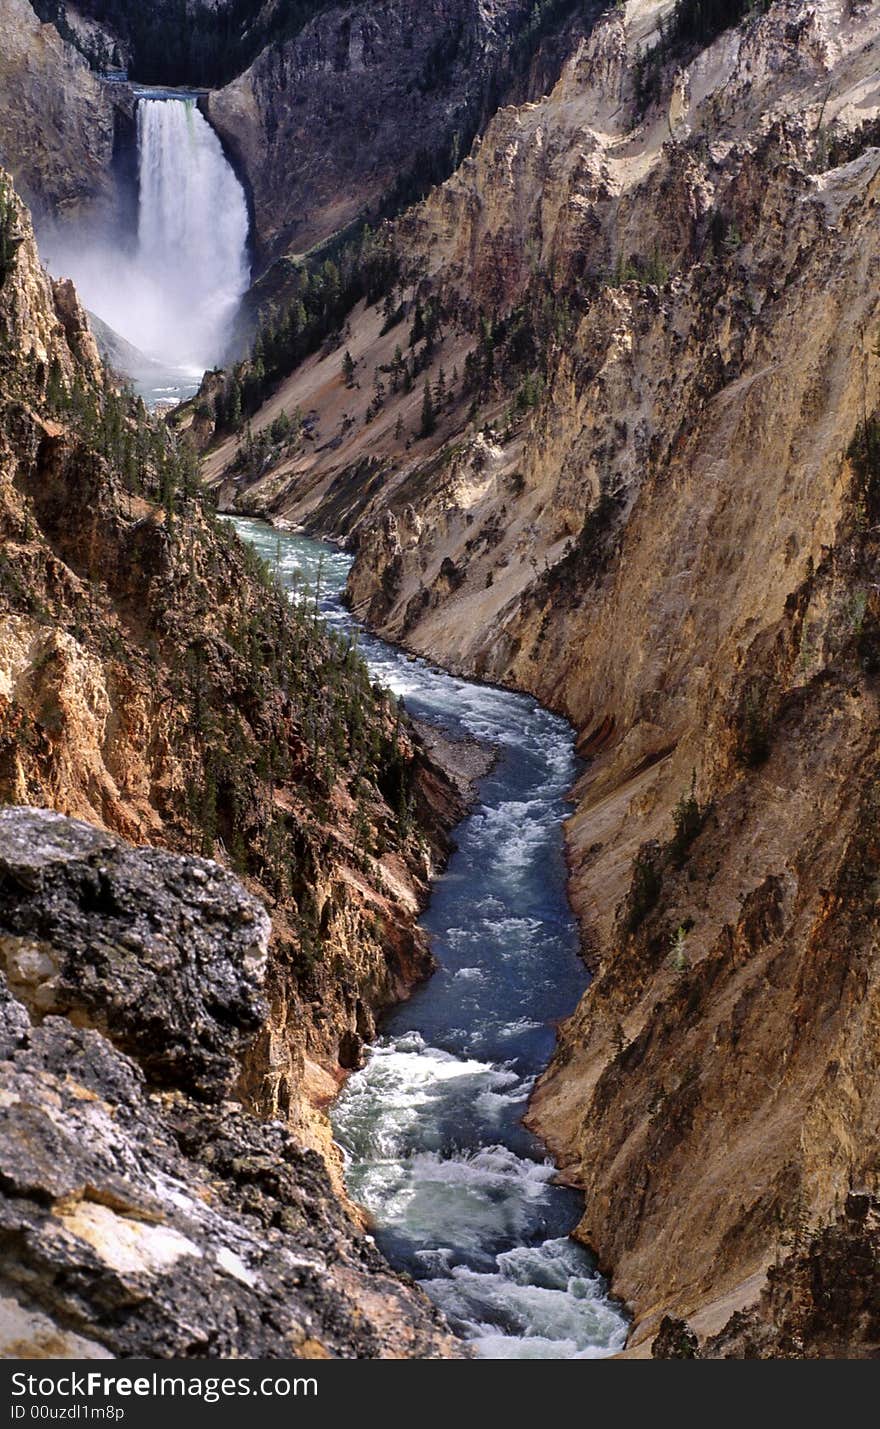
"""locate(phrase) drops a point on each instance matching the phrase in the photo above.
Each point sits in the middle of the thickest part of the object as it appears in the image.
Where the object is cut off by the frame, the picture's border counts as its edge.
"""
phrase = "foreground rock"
(166, 955)
(135, 1219)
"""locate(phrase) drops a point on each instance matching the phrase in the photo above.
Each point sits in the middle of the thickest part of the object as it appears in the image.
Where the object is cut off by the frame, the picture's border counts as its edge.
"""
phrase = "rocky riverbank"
(145, 1212)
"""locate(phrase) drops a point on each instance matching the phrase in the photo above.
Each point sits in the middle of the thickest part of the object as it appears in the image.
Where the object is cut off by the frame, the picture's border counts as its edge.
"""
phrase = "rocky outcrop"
(167, 956)
(142, 1212)
(649, 497)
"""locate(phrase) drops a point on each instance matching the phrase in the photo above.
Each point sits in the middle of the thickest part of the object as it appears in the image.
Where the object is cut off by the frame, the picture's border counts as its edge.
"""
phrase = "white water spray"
(192, 236)
(175, 296)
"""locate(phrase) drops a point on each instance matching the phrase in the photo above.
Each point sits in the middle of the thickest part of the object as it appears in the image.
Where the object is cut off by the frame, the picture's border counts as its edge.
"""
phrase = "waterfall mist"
(175, 292)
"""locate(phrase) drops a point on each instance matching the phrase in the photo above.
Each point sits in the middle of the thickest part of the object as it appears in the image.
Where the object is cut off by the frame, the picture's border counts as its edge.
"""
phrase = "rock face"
(153, 1223)
(155, 683)
(822, 1301)
(324, 124)
(651, 500)
(58, 124)
(166, 955)
(335, 111)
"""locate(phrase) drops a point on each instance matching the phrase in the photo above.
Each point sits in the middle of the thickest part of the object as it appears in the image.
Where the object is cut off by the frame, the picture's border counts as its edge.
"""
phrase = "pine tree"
(234, 406)
(429, 418)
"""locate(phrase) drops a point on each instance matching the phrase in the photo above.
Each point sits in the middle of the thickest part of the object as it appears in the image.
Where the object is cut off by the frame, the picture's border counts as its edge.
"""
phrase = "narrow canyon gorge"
(439, 657)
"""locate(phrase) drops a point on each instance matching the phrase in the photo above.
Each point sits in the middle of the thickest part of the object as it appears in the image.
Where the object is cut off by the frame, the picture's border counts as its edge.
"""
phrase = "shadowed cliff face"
(196, 42)
(57, 122)
(139, 1224)
(647, 493)
(366, 100)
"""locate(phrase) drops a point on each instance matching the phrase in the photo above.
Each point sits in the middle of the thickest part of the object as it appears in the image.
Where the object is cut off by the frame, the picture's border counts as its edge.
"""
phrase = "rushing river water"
(461, 1194)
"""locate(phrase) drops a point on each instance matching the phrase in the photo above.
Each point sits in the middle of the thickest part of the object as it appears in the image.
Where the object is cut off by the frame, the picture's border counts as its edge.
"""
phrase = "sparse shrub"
(650, 272)
(864, 455)
(429, 417)
(678, 955)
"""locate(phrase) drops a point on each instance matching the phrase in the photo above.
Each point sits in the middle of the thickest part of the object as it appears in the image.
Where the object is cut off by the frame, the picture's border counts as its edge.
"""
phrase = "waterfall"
(174, 291)
(192, 235)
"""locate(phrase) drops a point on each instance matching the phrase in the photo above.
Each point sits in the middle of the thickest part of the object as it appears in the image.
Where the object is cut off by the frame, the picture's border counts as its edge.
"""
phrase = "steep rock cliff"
(646, 492)
(365, 98)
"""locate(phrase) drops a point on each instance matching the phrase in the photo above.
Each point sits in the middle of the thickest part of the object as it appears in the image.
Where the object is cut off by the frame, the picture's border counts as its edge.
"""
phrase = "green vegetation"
(653, 271)
(429, 416)
(514, 353)
(755, 726)
(688, 817)
(864, 455)
(257, 454)
(647, 882)
(323, 295)
(329, 729)
(272, 716)
(140, 448)
(843, 148)
(863, 615)
(679, 959)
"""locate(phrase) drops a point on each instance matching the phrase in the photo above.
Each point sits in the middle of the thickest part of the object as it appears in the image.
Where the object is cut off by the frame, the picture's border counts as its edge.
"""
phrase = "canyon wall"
(645, 489)
(330, 113)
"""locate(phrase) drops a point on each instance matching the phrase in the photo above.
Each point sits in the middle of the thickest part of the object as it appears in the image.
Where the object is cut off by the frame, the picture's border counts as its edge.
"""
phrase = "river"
(462, 1196)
